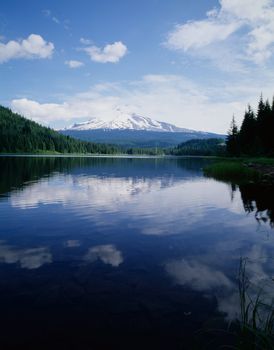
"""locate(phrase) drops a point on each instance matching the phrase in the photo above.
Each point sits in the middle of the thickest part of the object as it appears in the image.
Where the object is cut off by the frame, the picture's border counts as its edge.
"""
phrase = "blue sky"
(194, 64)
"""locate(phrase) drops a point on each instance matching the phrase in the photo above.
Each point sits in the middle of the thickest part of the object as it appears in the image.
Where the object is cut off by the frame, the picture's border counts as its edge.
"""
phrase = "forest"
(255, 135)
(200, 147)
(19, 134)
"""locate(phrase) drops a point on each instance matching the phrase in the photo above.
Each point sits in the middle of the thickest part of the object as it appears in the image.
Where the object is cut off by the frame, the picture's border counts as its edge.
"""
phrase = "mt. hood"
(127, 121)
(132, 130)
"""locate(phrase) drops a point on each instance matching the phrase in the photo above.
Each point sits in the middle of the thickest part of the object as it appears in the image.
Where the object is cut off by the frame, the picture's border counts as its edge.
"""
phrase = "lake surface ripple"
(102, 253)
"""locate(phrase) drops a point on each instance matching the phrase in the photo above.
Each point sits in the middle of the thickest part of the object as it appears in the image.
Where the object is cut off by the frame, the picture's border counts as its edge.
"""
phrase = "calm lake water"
(109, 253)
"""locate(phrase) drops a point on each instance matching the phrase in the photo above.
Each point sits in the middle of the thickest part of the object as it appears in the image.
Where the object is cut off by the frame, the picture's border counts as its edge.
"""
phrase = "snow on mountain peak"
(124, 120)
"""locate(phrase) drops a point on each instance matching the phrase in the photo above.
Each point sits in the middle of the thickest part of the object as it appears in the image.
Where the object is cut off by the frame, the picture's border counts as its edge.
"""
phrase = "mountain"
(18, 134)
(127, 121)
(132, 130)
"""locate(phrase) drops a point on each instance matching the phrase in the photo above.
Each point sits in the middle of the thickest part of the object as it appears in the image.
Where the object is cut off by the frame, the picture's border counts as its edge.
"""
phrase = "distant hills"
(131, 130)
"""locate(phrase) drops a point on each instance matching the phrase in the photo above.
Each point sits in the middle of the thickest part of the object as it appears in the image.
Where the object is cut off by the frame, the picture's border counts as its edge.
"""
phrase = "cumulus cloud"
(170, 98)
(254, 42)
(110, 53)
(74, 64)
(43, 113)
(32, 47)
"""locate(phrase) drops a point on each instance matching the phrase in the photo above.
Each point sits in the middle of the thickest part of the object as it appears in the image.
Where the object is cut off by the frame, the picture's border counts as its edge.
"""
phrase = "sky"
(191, 63)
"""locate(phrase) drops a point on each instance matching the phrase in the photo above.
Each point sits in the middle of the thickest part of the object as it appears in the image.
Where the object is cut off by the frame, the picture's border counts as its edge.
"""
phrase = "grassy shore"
(242, 169)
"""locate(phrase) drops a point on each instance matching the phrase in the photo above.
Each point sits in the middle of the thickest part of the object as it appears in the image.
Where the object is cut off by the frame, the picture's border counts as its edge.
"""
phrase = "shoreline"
(76, 155)
(259, 170)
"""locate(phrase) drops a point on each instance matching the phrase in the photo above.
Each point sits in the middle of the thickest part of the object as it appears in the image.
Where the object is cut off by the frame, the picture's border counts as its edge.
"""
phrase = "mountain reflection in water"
(124, 253)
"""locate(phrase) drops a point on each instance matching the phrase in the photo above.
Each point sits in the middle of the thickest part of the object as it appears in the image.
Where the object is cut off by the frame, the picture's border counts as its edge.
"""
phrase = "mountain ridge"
(132, 130)
(127, 121)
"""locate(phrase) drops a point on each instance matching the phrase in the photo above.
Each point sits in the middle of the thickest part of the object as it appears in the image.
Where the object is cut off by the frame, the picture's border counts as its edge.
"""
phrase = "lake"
(125, 253)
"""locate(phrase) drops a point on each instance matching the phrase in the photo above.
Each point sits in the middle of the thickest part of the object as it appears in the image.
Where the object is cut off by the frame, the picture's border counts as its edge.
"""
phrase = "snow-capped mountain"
(132, 130)
(127, 121)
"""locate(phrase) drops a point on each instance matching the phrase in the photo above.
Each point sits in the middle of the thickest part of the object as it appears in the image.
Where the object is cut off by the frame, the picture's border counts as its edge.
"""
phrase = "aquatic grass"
(254, 329)
(256, 324)
(234, 171)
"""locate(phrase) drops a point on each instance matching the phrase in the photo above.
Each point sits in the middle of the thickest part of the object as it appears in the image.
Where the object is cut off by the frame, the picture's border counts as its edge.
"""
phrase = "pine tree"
(247, 134)
(232, 141)
(261, 118)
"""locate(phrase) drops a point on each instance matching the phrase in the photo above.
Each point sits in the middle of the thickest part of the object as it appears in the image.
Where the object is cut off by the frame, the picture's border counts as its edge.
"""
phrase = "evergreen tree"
(247, 135)
(271, 130)
(18, 134)
(232, 141)
(261, 119)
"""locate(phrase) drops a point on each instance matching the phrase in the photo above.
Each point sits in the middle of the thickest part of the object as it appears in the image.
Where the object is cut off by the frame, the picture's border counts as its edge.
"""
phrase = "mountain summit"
(132, 130)
(127, 121)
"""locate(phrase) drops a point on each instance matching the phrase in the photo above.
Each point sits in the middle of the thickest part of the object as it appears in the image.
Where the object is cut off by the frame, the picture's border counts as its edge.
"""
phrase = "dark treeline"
(255, 136)
(17, 172)
(151, 151)
(18, 134)
(206, 147)
(21, 135)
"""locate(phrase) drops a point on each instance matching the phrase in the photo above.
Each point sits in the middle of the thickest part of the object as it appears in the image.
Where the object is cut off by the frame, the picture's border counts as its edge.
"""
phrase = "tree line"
(21, 135)
(18, 134)
(255, 137)
(199, 147)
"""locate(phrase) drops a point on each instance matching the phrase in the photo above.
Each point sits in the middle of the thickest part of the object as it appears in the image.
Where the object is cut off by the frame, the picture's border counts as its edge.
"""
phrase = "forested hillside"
(208, 147)
(18, 134)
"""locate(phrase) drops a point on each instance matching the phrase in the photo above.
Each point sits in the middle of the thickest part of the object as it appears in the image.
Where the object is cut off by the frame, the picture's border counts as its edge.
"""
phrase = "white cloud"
(253, 43)
(74, 64)
(43, 113)
(194, 35)
(32, 47)
(56, 20)
(250, 10)
(48, 14)
(110, 53)
(170, 98)
(85, 41)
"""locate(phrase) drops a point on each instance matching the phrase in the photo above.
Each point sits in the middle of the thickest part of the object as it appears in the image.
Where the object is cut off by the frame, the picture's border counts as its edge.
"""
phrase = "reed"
(256, 324)
(234, 171)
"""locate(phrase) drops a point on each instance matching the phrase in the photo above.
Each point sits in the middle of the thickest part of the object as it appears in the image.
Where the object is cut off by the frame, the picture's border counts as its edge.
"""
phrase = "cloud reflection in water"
(108, 254)
(148, 199)
(30, 258)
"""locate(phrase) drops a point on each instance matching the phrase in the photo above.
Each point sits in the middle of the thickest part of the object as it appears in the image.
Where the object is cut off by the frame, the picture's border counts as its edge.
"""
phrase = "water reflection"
(29, 258)
(259, 199)
(205, 273)
(18, 172)
(196, 275)
(108, 254)
(134, 246)
(72, 243)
